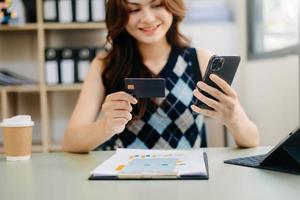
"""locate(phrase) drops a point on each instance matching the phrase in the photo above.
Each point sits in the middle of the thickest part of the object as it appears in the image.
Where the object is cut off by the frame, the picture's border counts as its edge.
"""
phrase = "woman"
(145, 42)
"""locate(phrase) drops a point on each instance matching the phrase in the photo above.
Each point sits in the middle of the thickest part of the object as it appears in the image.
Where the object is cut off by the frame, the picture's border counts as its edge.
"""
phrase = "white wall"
(269, 88)
(270, 95)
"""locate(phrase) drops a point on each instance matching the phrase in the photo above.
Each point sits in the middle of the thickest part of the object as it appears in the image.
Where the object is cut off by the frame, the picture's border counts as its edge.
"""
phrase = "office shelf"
(23, 49)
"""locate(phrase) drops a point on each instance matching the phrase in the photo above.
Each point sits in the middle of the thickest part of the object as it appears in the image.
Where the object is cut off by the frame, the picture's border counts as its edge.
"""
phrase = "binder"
(65, 11)
(138, 168)
(30, 7)
(8, 77)
(99, 51)
(50, 10)
(82, 11)
(52, 66)
(67, 66)
(284, 157)
(97, 10)
(84, 58)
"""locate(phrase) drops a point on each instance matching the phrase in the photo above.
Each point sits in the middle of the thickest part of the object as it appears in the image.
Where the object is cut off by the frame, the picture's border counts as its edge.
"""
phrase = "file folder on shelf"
(99, 51)
(82, 11)
(50, 10)
(97, 10)
(52, 66)
(67, 66)
(30, 7)
(84, 58)
(8, 77)
(65, 11)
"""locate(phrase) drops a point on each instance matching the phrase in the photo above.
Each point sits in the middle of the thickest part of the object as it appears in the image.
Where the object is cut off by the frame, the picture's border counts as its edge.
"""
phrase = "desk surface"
(65, 176)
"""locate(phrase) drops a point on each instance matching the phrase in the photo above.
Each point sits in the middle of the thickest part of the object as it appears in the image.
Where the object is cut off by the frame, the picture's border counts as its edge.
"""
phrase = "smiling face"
(149, 20)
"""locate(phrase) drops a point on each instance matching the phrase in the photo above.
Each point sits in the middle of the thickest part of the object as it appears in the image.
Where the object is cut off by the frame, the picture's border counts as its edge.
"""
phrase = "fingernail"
(200, 84)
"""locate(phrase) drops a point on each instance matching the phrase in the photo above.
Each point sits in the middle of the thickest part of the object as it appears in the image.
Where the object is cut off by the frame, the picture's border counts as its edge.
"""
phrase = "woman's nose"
(147, 15)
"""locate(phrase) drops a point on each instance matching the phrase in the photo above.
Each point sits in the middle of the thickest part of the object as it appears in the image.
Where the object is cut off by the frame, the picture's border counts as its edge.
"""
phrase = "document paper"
(153, 162)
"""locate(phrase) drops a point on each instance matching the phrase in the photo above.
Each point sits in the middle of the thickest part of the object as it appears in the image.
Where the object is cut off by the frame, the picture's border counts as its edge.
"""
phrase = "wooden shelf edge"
(36, 88)
(21, 88)
(53, 26)
(79, 26)
(24, 27)
(73, 87)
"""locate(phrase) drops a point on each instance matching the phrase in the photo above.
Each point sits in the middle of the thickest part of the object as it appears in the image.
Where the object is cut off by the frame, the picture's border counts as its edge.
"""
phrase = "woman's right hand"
(116, 111)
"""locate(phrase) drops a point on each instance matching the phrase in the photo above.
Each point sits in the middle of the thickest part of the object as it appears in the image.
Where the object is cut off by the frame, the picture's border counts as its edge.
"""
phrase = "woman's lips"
(149, 29)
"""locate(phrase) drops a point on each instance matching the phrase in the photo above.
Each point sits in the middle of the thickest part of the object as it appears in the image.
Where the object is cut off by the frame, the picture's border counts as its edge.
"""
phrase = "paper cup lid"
(17, 158)
(17, 121)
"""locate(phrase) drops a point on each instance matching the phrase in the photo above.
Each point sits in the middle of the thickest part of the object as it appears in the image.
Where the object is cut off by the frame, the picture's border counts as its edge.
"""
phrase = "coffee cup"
(17, 137)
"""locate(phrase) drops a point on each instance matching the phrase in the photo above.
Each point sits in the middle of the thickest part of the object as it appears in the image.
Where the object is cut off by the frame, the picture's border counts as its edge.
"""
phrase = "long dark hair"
(123, 58)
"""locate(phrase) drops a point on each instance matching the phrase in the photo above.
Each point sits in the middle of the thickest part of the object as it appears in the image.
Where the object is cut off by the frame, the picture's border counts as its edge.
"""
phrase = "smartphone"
(223, 66)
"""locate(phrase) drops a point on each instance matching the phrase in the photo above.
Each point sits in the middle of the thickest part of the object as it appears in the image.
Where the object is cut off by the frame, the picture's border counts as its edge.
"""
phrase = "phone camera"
(217, 64)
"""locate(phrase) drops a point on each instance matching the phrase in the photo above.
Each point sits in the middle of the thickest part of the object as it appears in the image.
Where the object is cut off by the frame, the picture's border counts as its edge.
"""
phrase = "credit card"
(145, 87)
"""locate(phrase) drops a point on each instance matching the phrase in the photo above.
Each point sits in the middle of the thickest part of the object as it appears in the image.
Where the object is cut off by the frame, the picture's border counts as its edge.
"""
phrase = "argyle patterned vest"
(172, 123)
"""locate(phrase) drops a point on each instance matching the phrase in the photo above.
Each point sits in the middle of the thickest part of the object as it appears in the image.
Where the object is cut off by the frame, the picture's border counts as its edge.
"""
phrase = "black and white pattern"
(171, 124)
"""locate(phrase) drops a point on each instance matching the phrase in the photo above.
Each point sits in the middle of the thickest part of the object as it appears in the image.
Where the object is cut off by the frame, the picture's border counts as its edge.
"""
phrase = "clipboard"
(169, 176)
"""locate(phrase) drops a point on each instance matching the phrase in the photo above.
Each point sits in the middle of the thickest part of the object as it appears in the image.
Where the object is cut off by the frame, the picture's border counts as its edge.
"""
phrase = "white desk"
(65, 176)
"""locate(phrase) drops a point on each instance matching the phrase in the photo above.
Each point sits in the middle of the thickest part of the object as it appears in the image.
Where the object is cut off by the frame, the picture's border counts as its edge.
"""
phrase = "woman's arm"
(227, 109)
(85, 131)
(82, 133)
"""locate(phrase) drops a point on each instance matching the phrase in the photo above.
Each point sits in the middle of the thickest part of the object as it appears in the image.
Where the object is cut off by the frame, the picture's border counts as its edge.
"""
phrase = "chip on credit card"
(145, 87)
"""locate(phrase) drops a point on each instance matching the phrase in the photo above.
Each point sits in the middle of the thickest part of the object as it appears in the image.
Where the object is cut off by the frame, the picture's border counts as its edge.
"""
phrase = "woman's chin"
(150, 40)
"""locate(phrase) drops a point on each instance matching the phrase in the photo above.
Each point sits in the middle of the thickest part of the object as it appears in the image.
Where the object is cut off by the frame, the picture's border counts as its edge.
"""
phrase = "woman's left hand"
(227, 108)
